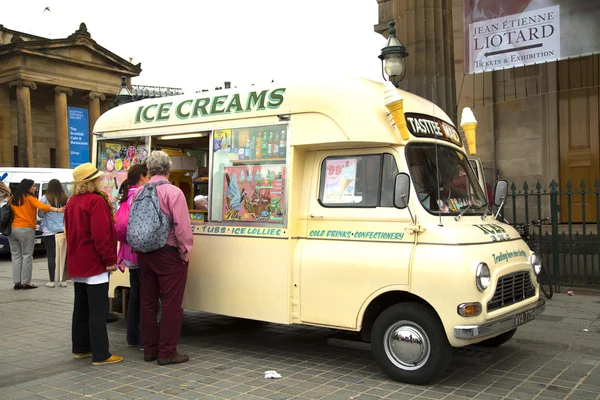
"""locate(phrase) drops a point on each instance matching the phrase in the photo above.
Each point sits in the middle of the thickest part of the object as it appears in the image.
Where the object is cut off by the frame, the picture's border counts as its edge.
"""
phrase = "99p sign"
(340, 181)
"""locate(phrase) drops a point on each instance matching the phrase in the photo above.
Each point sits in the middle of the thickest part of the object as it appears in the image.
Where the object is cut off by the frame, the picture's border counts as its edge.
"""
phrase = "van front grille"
(511, 289)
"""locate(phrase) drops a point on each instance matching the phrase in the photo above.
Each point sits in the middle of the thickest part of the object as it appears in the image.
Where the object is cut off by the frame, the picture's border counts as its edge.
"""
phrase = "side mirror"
(500, 193)
(401, 190)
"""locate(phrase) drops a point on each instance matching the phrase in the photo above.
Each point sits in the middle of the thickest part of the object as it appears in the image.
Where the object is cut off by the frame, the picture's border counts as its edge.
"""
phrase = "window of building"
(249, 175)
(358, 181)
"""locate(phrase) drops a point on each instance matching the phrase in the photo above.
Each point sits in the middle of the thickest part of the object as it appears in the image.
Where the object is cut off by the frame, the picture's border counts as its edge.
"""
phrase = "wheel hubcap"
(407, 345)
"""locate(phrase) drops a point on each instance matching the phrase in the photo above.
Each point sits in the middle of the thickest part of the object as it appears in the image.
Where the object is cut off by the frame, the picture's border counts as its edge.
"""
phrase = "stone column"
(94, 113)
(62, 126)
(425, 29)
(24, 127)
(6, 149)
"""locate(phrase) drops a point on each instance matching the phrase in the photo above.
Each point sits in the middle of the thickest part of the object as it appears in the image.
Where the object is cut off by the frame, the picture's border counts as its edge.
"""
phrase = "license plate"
(38, 241)
(524, 317)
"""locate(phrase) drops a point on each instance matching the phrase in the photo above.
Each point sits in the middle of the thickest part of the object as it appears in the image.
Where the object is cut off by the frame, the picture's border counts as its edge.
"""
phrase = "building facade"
(39, 80)
(536, 123)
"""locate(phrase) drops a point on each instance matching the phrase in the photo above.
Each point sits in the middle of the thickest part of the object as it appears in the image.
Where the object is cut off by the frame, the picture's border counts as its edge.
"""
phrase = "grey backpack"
(148, 227)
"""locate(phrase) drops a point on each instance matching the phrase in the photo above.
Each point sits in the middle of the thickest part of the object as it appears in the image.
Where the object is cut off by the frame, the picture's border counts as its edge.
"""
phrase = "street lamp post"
(393, 58)
(124, 94)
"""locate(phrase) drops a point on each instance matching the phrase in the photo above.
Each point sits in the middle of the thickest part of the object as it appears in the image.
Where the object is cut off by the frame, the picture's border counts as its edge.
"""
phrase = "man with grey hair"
(164, 271)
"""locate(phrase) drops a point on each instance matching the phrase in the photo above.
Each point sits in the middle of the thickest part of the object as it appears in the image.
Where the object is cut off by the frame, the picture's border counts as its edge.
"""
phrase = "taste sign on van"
(421, 125)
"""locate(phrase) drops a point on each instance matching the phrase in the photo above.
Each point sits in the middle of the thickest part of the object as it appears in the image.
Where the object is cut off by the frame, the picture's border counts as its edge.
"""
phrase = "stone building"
(39, 79)
(535, 123)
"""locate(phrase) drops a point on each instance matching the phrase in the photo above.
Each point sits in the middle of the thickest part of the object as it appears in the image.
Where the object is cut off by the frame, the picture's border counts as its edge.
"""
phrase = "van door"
(356, 244)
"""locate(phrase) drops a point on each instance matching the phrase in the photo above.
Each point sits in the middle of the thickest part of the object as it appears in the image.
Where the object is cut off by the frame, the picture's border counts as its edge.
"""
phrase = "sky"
(200, 44)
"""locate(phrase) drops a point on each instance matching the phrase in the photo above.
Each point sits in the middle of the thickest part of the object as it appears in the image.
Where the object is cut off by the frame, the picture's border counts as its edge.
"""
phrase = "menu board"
(118, 157)
(254, 193)
(340, 180)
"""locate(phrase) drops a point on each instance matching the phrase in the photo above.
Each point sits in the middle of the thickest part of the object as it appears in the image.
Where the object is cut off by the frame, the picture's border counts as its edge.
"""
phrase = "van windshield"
(458, 188)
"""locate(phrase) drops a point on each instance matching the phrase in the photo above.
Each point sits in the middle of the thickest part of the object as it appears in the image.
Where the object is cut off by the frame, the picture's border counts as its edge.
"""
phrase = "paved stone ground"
(555, 357)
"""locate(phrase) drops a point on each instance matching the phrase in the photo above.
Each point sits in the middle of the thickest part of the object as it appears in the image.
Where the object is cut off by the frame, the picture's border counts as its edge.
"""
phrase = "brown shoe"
(150, 357)
(174, 359)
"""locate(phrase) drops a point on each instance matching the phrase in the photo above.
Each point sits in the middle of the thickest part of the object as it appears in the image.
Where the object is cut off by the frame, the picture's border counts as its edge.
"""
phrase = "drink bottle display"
(270, 145)
(259, 140)
(276, 145)
(247, 150)
(253, 148)
(282, 145)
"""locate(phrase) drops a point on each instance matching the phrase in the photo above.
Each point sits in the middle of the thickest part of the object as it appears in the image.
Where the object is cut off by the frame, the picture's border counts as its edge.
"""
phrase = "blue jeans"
(133, 308)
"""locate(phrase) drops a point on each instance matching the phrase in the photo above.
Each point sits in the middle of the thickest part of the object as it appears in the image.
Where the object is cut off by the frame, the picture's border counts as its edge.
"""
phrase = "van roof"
(353, 104)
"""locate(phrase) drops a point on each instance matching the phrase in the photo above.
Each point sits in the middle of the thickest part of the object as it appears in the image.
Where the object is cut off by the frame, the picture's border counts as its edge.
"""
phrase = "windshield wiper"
(464, 209)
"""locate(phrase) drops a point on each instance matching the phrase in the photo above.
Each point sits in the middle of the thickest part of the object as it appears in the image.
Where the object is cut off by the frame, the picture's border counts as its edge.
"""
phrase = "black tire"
(428, 359)
(498, 340)
(545, 283)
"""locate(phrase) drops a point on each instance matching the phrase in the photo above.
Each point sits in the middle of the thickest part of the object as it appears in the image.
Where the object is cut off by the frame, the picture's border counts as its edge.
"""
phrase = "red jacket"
(91, 236)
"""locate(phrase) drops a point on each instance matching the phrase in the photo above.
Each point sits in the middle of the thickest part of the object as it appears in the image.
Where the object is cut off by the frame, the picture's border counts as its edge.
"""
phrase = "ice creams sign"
(421, 125)
(210, 106)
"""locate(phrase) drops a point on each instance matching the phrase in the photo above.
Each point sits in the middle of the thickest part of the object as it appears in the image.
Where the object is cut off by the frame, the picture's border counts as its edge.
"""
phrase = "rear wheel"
(499, 340)
(545, 283)
(409, 343)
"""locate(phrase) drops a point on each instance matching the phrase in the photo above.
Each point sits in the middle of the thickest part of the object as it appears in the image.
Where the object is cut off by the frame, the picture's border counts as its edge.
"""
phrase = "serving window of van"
(443, 179)
(360, 181)
(115, 157)
(249, 175)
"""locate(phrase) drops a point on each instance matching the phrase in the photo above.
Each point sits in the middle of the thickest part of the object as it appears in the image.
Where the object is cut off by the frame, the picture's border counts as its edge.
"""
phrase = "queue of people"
(158, 273)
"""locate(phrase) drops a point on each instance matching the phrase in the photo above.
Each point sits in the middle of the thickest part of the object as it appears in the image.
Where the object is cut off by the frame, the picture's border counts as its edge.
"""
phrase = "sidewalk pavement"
(555, 357)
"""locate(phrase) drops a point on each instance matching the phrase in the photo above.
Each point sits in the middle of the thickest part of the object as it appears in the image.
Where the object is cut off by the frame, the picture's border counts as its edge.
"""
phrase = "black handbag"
(6, 218)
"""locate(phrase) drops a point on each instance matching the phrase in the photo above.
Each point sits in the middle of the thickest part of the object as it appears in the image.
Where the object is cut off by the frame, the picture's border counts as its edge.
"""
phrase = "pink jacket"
(122, 217)
(173, 204)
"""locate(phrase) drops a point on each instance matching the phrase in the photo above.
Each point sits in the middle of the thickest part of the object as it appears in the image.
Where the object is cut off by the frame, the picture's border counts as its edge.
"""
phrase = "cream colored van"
(344, 204)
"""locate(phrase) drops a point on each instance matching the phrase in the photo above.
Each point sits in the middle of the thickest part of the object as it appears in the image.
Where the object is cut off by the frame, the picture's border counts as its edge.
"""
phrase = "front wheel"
(409, 343)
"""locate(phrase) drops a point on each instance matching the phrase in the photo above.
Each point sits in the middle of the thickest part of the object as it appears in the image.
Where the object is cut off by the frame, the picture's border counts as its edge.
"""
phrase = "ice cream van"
(346, 204)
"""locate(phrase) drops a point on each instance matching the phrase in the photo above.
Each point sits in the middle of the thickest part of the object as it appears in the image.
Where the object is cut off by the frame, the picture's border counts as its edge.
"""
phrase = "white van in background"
(40, 176)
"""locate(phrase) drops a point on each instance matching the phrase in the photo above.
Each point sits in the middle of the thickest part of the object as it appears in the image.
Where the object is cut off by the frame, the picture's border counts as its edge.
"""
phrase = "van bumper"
(502, 324)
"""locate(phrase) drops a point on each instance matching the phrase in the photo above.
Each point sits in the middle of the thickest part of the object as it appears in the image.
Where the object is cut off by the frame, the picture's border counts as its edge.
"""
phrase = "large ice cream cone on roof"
(469, 125)
(395, 104)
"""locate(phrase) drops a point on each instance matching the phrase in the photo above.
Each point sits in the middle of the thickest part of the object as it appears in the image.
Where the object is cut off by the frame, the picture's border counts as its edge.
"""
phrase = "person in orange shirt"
(24, 206)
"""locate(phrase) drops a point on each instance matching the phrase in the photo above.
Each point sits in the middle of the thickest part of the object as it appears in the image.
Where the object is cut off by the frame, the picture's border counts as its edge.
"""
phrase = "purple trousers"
(163, 275)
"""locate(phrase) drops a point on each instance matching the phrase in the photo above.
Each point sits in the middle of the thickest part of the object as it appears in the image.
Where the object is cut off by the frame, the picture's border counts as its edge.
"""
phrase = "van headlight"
(482, 276)
(536, 263)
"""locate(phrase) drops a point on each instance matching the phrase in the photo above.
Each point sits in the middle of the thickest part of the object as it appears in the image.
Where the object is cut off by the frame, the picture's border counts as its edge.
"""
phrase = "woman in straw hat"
(91, 255)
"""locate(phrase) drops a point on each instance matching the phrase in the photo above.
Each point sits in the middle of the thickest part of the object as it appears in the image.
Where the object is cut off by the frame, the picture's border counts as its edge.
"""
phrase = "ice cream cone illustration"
(395, 104)
(469, 125)
(344, 183)
(348, 176)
